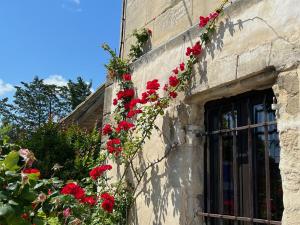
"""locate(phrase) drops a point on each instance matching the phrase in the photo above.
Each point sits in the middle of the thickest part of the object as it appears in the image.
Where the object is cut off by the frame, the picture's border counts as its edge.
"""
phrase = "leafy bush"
(72, 149)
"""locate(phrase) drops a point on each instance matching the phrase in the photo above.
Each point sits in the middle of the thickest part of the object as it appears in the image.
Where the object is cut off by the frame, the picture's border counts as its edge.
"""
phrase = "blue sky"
(56, 40)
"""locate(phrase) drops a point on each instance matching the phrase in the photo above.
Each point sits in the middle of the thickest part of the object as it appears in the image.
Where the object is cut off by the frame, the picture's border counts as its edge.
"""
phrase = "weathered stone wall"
(288, 116)
(257, 46)
(166, 18)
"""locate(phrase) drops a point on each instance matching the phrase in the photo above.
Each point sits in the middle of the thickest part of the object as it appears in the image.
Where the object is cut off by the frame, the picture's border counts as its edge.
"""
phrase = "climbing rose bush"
(27, 198)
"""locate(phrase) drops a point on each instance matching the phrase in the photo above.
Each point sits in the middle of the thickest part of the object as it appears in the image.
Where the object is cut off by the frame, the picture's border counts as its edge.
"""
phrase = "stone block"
(254, 61)
(221, 71)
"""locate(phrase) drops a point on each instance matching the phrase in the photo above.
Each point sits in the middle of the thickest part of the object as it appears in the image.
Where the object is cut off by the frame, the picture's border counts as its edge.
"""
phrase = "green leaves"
(11, 161)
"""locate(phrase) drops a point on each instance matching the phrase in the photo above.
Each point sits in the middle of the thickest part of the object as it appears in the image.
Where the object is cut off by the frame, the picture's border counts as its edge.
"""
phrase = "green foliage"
(5, 129)
(78, 91)
(116, 66)
(18, 193)
(36, 102)
(72, 148)
(138, 49)
(86, 146)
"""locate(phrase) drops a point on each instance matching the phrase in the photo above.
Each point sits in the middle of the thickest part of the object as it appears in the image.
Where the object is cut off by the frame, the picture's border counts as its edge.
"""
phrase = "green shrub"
(72, 149)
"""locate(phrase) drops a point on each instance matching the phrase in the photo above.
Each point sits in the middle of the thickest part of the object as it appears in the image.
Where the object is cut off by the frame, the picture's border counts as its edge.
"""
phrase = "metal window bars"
(242, 116)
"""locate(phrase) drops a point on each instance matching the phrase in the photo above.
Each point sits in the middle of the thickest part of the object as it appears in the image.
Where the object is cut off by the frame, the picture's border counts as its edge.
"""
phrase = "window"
(242, 177)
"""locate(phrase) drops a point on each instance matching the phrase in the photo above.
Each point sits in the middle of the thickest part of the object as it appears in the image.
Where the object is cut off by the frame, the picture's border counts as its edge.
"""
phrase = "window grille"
(242, 178)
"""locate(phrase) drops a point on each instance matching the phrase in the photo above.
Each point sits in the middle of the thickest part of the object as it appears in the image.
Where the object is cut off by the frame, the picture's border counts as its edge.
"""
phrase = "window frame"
(207, 214)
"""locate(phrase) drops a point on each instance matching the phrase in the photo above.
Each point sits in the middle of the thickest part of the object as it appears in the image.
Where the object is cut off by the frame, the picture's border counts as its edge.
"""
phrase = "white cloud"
(72, 5)
(77, 2)
(56, 79)
(5, 88)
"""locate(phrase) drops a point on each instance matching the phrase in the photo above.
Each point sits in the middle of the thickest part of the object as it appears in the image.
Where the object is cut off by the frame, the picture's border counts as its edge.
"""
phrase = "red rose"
(108, 202)
(133, 102)
(182, 66)
(106, 129)
(188, 51)
(153, 85)
(73, 189)
(124, 125)
(132, 113)
(126, 77)
(176, 71)
(203, 21)
(145, 98)
(98, 171)
(149, 31)
(173, 81)
(213, 15)
(89, 200)
(173, 94)
(115, 101)
(127, 105)
(197, 48)
(128, 93)
(112, 146)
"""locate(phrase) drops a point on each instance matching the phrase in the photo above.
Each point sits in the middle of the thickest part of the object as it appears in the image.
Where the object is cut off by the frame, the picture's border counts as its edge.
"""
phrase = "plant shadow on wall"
(164, 185)
(215, 44)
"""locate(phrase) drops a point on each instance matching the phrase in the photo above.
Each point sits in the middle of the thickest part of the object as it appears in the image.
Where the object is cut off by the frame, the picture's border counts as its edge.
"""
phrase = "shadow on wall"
(210, 49)
(164, 186)
(218, 44)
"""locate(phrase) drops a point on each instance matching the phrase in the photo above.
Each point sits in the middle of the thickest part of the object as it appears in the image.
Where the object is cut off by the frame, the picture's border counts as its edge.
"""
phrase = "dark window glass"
(242, 175)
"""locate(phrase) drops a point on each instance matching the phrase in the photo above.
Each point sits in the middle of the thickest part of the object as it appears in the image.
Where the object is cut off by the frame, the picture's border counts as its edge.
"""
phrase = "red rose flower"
(98, 171)
(203, 21)
(176, 71)
(132, 113)
(89, 200)
(127, 105)
(73, 189)
(173, 81)
(197, 48)
(124, 125)
(133, 102)
(115, 101)
(213, 15)
(127, 93)
(188, 51)
(106, 129)
(173, 94)
(112, 146)
(145, 98)
(108, 202)
(153, 85)
(126, 77)
(182, 66)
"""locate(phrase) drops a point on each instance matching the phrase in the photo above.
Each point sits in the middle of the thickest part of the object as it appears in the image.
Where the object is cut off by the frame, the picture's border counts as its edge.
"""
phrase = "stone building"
(238, 158)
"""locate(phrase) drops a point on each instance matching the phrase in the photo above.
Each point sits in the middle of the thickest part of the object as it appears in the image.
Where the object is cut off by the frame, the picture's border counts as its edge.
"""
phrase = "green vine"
(138, 49)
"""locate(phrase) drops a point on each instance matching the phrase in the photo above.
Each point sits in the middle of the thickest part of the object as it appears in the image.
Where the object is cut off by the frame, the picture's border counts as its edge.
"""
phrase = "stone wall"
(257, 46)
(166, 18)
